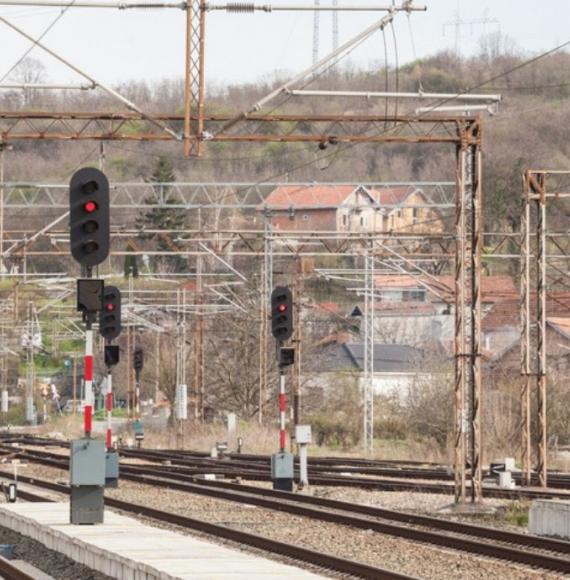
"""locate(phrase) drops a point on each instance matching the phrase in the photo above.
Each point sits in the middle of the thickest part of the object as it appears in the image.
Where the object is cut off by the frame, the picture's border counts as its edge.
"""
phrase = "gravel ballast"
(369, 547)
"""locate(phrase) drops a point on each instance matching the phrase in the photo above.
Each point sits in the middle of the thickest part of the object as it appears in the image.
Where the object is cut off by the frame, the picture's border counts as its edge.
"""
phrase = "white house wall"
(413, 330)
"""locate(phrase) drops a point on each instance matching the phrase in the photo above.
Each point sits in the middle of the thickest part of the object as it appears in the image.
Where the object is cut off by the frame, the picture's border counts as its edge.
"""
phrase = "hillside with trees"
(529, 129)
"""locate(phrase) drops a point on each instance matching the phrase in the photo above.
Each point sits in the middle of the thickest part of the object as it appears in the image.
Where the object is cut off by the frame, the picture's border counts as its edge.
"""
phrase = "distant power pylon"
(458, 23)
(316, 28)
(316, 31)
(335, 25)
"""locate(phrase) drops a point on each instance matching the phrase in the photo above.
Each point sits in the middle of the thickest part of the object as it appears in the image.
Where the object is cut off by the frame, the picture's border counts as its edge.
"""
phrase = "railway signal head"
(138, 359)
(110, 316)
(89, 216)
(282, 313)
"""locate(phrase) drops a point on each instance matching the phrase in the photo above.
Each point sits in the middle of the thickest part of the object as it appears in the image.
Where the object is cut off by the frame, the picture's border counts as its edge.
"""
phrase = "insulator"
(241, 7)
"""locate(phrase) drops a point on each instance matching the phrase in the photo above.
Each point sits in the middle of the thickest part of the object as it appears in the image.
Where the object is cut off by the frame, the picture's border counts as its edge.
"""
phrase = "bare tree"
(30, 71)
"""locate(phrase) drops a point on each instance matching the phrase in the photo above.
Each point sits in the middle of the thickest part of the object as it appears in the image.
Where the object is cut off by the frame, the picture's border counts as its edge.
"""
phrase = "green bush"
(101, 414)
(333, 431)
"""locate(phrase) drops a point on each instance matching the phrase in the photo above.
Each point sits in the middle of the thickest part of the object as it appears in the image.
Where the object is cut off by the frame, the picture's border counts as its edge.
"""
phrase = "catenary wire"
(38, 39)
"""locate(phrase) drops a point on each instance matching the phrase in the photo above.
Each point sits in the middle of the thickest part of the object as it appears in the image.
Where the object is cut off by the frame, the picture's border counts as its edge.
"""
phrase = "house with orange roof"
(508, 361)
(351, 208)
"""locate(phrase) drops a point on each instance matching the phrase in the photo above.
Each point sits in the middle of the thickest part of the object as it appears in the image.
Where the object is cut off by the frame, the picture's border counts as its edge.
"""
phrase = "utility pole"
(30, 375)
(265, 296)
(368, 387)
(74, 359)
(181, 386)
(198, 345)
(3, 148)
(4, 399)
(157, 367)
(296, 340)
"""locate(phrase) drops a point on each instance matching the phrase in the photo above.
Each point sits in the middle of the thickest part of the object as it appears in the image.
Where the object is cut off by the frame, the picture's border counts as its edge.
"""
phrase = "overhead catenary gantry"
(195, 127)
(191, 131)
(541, 188)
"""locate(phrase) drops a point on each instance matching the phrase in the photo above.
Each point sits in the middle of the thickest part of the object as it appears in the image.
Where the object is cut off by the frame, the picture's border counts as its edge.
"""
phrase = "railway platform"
(126, 548)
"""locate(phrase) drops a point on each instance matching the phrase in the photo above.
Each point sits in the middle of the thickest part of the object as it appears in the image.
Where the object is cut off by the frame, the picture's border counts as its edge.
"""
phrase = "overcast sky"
(115, 45)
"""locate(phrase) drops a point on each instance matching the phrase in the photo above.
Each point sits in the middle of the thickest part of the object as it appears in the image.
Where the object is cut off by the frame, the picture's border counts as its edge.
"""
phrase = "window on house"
(344, 220)
(414, 296)
(415, 215)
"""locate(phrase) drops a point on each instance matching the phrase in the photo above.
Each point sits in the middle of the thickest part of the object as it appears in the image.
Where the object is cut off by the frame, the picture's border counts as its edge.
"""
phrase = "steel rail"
(294, 552)
(275, 500)
(11, 572)
(182, 468)
(404, 517)
(299, 506)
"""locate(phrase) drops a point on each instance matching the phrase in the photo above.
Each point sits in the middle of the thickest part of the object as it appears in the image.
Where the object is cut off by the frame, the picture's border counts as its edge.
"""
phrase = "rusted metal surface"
(467, 386)
(459, 336)
(129, 126)
(475, 312)
(535, 196)
(194, 77)
(542, 451)
(526, 444)
(10, 572)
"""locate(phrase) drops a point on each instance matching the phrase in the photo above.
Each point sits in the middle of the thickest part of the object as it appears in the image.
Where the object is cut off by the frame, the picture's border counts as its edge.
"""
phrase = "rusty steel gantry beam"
(283, 128)
(462, 132)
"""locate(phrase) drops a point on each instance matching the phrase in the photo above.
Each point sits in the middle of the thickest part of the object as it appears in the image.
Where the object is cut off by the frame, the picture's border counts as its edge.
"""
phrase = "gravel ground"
(368, 547)
(372, 548)
(48, 561)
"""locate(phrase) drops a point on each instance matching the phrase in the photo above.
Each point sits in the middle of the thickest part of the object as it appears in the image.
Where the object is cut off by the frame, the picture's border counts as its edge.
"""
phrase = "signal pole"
(296, 340)
(90, 244)
(110, 328)
(282, 472)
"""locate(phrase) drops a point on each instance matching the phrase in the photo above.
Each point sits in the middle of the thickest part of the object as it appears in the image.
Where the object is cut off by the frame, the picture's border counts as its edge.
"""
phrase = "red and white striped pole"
(282, 411)
(109, 407)
(88, 372)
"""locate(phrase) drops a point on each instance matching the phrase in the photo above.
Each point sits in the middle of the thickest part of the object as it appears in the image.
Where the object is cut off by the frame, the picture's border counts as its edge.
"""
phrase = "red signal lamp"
(282, 307)
(110, 307)
(90, 206)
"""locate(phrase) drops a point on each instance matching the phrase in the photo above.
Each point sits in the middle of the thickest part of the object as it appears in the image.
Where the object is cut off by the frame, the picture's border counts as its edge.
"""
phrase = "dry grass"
(257, 439)
(65, 426)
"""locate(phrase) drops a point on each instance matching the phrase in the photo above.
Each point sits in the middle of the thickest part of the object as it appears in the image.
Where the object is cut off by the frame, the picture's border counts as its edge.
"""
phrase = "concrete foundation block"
(506, 480)
(550, 518)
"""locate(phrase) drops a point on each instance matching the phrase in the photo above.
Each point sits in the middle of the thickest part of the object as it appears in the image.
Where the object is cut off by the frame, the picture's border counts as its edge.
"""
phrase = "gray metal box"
(87, 505)
(87, 462)
(303, 434)
(112, 469)
(282, 466)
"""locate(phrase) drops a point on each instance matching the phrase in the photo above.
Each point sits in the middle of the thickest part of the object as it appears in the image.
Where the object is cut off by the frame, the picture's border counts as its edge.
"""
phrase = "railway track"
(481, 540)
(293, 552)
(335, 470)
(11, 572)
(182, 469)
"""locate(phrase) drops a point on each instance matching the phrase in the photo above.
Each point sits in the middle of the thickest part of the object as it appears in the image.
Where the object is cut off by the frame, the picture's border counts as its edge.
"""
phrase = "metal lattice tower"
(265, 301)
(368, 386)
(335, 25)
(316, 32)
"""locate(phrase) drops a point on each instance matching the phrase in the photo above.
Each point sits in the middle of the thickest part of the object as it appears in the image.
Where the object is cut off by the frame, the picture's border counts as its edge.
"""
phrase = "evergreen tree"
(163, 218)
(131, 266)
